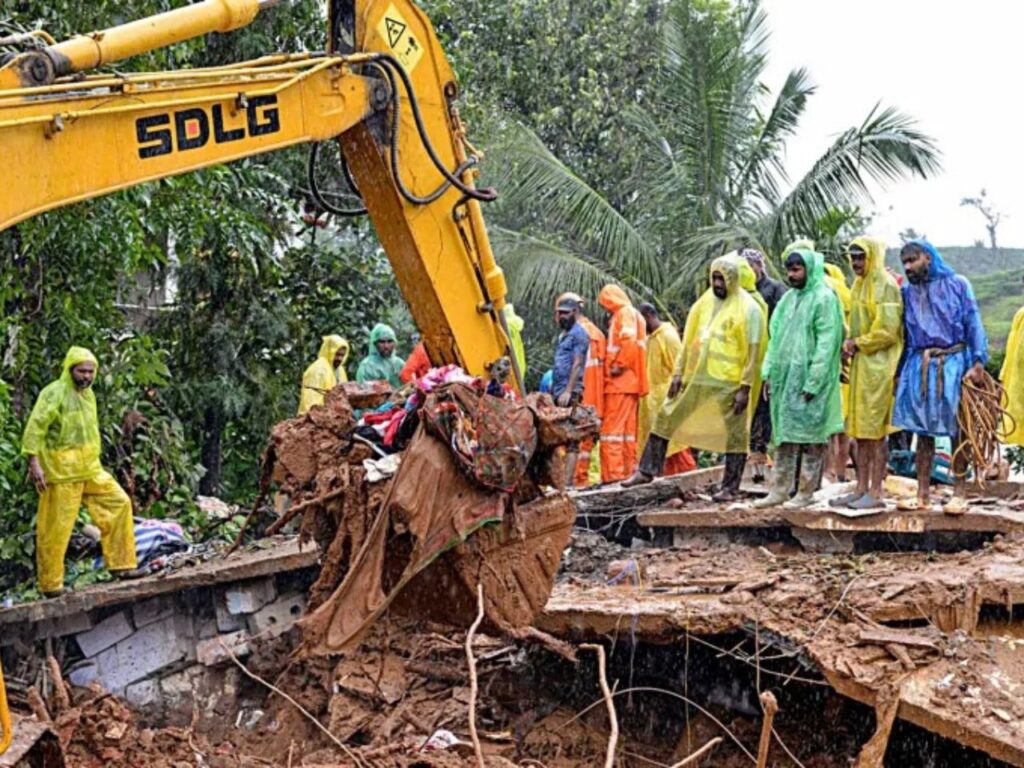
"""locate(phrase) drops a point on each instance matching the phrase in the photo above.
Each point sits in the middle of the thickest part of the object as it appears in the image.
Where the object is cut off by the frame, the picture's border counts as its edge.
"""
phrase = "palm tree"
(709, 177)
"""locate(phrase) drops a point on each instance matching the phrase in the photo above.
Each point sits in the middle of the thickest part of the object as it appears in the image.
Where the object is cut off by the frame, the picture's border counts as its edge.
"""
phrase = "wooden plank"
(278, 555)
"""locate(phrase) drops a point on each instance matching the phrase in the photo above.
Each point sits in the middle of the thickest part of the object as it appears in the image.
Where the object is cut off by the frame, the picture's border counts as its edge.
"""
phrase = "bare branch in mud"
(473, 685)
(613, 739)
(692, 759)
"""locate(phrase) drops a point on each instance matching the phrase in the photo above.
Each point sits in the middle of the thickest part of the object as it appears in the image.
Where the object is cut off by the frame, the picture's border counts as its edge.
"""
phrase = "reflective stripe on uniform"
(619, 438)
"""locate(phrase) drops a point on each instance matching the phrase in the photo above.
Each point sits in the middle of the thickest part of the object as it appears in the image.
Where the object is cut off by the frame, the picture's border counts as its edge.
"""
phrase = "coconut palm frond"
(886, 147)
(762, 168)
(538, 269)
(541, 182)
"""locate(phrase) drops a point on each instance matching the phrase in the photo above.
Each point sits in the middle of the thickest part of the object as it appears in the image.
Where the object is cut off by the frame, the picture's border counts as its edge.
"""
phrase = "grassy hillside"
(972, 261)
(1000, 296)
(996, 277)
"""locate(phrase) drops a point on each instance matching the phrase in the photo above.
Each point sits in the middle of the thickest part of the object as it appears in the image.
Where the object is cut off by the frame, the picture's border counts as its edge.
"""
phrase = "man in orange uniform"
(593, 384)
(625, 382)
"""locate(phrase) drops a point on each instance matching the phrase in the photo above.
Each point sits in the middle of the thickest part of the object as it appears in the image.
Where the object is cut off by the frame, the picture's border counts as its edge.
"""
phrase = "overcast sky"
(954, 66)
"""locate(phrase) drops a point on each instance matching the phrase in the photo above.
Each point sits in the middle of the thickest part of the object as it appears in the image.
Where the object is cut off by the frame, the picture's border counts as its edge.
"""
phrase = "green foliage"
(707, 144)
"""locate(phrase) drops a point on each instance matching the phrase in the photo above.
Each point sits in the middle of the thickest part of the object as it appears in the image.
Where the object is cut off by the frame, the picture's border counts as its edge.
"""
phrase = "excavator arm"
(384, 91)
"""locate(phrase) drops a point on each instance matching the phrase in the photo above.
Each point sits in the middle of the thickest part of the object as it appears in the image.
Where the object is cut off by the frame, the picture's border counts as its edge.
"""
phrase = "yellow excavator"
(384, 91)
(72, 128)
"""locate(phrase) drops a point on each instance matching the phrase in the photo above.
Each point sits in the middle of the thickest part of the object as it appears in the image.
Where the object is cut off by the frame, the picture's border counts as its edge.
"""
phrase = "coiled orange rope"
(983, 423)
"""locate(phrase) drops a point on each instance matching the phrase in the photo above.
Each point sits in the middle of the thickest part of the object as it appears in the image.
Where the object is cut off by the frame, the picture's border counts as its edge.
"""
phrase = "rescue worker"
(417, 365)
(761, 419)
(839, 444)
(515, 325)
(945, 343)
(382, 364)
(625, 382)
(62, 443)
(801, 373)
(770, 291)
(1012, 378)
(571, 352)
(321, 376)
(588, 465)
(709, 400)
(663, 349)
(873, 347)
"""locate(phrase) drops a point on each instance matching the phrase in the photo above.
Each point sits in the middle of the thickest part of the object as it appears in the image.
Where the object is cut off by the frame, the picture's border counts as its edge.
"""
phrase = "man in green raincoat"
(382, 364)
(801, 374)
(62, 443)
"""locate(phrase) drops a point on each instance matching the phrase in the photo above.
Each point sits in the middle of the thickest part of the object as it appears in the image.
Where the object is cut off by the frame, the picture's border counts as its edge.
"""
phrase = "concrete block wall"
(161, 654)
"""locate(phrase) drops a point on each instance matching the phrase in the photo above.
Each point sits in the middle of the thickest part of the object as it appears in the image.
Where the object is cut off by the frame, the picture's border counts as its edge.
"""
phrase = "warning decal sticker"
(394, 29)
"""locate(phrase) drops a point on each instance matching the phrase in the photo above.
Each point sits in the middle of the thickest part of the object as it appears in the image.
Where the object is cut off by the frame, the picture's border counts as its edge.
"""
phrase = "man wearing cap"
(571, 351)
(593, 392)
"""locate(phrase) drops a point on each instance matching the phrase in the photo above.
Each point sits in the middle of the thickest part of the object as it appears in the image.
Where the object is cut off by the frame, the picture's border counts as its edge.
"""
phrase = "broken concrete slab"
(277, 555)
(829, 615)
(34, 744)
(614, 498)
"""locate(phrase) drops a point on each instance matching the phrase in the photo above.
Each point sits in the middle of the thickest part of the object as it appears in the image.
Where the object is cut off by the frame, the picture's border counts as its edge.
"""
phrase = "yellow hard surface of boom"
(385, 91)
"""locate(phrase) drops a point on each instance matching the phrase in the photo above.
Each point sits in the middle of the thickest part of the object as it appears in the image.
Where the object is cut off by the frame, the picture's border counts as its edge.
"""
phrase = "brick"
(84, 673)
(112, 629)
(277, 618)
(152, 610)
(211, 652)
(248, 597)
(74, 624)
(145, 693)
(225, 621)
(148, 650)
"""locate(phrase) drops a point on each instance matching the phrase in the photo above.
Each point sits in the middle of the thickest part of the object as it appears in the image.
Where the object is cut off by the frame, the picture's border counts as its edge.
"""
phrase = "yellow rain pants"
(111, 512)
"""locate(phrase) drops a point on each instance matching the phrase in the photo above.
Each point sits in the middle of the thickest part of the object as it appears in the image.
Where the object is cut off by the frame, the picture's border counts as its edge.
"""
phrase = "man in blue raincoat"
(944, 343)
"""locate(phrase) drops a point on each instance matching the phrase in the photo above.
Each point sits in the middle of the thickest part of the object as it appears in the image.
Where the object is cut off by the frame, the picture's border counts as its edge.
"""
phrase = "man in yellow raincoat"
(62, 443)
(873, 347)
(709, 401)
(1012, 378)
(323, 373)
(839, 444)
(663, 348)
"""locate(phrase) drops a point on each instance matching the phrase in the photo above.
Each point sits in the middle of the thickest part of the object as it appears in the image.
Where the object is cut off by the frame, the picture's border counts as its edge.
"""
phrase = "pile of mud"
(477, 503)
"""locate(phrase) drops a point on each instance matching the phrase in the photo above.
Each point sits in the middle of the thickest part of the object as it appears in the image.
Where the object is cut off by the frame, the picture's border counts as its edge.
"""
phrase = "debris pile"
(473, 501)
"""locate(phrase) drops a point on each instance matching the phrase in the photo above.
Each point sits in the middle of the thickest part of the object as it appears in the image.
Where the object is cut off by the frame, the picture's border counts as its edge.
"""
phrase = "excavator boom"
(385, 91)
